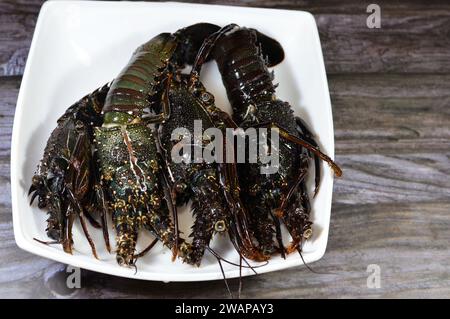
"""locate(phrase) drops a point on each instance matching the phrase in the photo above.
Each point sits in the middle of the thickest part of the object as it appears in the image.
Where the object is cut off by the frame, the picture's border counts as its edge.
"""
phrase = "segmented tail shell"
(138, 81)
(241, 60)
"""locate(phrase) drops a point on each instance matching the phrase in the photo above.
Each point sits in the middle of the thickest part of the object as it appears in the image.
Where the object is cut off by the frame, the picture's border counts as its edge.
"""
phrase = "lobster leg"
(92, 220)
(169, 193)
(306, 134)
(101, 201)
(304, 203)
(165, 114)
(88, 236)
(298, 224)
(205, 50)
(83, 223)
(300, 178)
(77, 179)
(242, 230)
(278, 235)
(147, 249)
(68, 240)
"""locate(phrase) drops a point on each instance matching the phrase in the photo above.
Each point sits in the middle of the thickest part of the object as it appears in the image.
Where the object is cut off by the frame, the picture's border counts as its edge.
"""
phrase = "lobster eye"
(36, 180)
(220, 226)
(307, 233)
(207, 98)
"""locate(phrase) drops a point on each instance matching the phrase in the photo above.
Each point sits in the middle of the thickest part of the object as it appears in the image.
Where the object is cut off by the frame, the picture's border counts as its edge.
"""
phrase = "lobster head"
(63, 177)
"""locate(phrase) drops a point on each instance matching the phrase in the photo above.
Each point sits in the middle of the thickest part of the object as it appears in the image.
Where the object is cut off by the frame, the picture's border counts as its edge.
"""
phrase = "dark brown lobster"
(212, 186)
(243, 56)
(67, 182)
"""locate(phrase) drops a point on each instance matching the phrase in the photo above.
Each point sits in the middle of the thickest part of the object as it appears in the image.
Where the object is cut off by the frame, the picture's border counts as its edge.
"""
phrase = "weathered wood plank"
(334, 6)
(326, 6)
(407, 42)
(20, 6)
(15, 39)
(376, 178)
(9, 89)
(413, 36)
(392, 137)
(21, 273)
(17, 22)
(391, 114)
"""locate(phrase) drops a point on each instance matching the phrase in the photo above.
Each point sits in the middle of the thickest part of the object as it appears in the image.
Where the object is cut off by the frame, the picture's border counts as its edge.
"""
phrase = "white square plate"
(78, 46)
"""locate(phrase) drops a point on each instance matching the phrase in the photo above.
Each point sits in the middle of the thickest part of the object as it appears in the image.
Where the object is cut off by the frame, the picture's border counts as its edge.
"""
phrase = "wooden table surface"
(390, 90)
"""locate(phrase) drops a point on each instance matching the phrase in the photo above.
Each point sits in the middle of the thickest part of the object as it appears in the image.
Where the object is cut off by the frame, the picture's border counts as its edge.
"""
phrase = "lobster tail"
(242, 237)
(142, 77)
(191, 39)
(243, 69)
(271, 49)
(211, 216)
(126, 238)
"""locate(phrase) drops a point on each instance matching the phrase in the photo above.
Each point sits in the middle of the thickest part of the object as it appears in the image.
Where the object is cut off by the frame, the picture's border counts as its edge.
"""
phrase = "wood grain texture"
(392, 136)
(334, 6)
(413, 37)
(384, 116)
(390, 209)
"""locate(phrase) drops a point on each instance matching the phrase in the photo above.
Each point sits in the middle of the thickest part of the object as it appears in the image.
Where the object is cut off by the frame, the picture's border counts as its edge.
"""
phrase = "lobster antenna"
(219, 258)
(253, 267)
(309, 268)
(215, 254)
(236, 246)
(233, 264)
(33, 196)
(301, 256)
(80, 212)
(278, 235)
(304, 143)
(240, 277)
(248, 265)
(135, 268)
(224, 278)
(146, 250)
(46, 242)
(205, 50)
